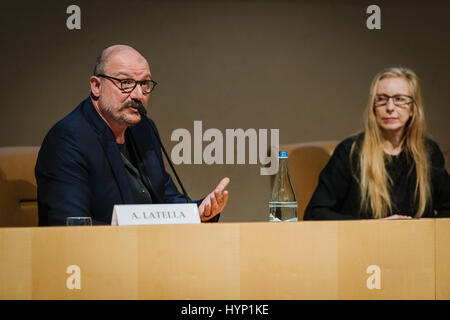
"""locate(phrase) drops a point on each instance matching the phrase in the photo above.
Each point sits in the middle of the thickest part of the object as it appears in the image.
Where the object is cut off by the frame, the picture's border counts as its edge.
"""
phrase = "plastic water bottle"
(283, 205)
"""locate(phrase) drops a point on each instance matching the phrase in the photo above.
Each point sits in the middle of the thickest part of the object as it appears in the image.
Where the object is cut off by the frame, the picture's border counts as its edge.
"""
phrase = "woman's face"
(395, 94)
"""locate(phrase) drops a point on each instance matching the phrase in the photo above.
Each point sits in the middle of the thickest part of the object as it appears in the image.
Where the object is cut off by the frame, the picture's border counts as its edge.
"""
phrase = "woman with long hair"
(391, 170)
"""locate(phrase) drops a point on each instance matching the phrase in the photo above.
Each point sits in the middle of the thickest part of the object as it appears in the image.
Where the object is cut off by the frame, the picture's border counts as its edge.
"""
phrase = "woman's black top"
(337, 195)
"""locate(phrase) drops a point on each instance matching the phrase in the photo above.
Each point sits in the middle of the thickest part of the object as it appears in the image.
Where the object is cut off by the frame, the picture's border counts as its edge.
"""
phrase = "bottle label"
(291, 204)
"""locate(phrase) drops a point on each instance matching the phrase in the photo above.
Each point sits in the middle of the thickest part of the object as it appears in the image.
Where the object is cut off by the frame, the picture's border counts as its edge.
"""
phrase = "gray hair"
(99, 66)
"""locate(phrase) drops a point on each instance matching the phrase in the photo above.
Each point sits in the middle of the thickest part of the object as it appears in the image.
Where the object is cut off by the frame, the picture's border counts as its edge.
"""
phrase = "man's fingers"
(214, 205)
(216, 200)
(206, 211)
(225, 198)
(223, 184)
(219, 196)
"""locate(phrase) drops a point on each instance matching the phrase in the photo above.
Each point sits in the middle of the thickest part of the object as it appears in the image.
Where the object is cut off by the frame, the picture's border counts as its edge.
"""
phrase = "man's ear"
(95, 86)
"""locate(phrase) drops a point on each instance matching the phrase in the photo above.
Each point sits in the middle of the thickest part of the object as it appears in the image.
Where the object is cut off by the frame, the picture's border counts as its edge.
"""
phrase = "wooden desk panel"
(106, 256)
(295, 260)
(443, 259)
(15, 263)
(189, 262)
(300, 260)
(403, 251)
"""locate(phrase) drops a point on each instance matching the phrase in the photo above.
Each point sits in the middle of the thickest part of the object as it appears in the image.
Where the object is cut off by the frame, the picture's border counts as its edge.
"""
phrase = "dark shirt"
(138, 181)
(337, 195)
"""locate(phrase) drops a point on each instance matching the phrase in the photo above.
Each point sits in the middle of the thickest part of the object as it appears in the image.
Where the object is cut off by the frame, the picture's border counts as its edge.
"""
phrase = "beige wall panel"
(443, 259)
(15, 263)
(107, 257)
(189, 262)
(403, 250)
(295, 260)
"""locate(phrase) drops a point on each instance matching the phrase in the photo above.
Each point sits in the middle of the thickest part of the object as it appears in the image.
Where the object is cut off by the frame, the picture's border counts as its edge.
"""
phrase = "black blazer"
(80, 171)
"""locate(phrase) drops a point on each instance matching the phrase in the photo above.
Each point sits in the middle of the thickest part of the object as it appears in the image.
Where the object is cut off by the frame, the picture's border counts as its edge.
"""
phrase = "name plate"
(148, 214)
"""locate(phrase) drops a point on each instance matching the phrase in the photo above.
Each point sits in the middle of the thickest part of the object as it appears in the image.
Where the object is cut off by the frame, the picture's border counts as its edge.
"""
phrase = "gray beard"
(119, 117)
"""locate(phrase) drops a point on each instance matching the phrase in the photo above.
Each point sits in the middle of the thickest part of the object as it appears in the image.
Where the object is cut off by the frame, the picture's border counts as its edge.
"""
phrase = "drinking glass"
(79, 221)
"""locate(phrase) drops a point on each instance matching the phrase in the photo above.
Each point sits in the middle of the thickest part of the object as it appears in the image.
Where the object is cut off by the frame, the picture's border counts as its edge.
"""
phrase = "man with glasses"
(105, 153)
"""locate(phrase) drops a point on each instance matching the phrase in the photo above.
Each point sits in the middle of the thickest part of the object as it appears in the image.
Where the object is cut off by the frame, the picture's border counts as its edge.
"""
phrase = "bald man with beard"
(105, 153)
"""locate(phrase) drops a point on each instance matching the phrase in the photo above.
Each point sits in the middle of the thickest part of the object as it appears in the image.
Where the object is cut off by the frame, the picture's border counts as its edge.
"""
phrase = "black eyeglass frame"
(136, 82)
(394, 96)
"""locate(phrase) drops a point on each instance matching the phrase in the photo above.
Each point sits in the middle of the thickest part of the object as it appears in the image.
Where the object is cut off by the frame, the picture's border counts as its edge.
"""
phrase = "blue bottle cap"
(282, 154)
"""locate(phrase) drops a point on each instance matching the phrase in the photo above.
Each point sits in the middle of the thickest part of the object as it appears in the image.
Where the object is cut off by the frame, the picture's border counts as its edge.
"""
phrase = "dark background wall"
(301, 66)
